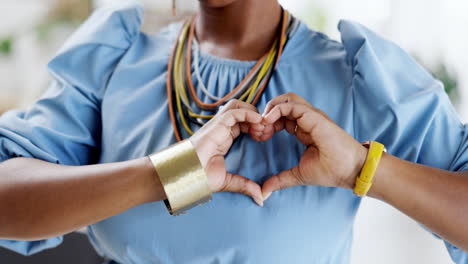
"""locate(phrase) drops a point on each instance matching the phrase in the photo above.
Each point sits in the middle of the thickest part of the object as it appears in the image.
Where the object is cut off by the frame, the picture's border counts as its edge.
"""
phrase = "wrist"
(149, 183)
(203, 151)
(360, 155)
(181, 176)
(380, 185)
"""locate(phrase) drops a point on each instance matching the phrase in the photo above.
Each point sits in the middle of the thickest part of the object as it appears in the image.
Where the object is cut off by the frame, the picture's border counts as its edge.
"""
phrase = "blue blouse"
(108, 103)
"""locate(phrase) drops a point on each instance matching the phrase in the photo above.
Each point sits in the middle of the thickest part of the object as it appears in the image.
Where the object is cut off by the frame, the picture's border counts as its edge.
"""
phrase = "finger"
(291, 126)
(284, 98)
(245, 127)
(235, 116)
(235, 131)
(305, 117)
(283, 123)
(237, 104)
(252, 129)
(282, 180)
(291, 98)
(271, 129)
(255, 134)
(227, 127)
(256, 131)
(258, 127)
(239, 184)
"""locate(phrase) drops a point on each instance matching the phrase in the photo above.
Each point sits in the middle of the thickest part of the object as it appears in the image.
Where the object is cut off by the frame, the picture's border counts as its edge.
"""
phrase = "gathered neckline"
(207, 57)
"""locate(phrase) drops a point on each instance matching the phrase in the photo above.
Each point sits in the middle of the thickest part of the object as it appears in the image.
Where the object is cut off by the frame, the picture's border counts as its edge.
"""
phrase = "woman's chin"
(217, 3)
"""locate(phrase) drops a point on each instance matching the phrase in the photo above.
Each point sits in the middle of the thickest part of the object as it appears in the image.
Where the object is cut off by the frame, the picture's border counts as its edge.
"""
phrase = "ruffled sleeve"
(400, 104)
(64, 125)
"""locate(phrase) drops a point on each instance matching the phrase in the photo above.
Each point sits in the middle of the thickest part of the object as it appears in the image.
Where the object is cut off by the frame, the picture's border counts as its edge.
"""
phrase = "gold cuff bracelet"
(182, 177)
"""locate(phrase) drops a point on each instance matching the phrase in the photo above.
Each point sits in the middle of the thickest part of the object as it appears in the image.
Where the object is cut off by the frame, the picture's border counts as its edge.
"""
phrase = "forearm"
(436, 198)
(40, 200)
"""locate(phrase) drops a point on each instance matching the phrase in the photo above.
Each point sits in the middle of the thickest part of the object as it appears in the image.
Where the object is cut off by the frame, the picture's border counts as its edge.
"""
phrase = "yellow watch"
(366, 177)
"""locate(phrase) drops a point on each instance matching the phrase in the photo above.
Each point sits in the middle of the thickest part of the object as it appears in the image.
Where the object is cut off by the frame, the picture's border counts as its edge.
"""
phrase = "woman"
(120, 95)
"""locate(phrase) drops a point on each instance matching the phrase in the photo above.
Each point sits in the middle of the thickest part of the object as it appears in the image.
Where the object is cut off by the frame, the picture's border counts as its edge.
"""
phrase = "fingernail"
(266, 196)
(259, 125)
(259, 201)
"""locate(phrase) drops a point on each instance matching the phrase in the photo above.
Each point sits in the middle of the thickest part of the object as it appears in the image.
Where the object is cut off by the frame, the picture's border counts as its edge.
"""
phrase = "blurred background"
(433, 31)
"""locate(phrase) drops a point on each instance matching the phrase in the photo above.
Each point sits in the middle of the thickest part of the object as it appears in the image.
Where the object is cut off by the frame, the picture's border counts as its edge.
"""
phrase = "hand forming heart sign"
(332, 158)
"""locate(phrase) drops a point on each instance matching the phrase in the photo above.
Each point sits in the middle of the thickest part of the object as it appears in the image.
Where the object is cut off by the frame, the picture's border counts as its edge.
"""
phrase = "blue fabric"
(108, 103)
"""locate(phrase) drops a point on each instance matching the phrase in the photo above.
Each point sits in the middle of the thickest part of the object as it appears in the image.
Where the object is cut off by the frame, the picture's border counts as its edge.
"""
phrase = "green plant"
(64, 12)
(314, 16)
(6, 45)
(449, 80)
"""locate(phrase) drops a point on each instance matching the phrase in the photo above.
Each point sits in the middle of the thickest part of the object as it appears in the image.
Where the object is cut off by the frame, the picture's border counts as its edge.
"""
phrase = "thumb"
(239, 184)
(282, 180)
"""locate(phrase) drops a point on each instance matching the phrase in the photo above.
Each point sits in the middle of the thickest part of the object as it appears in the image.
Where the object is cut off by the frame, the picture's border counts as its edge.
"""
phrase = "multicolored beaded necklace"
(185, 107)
